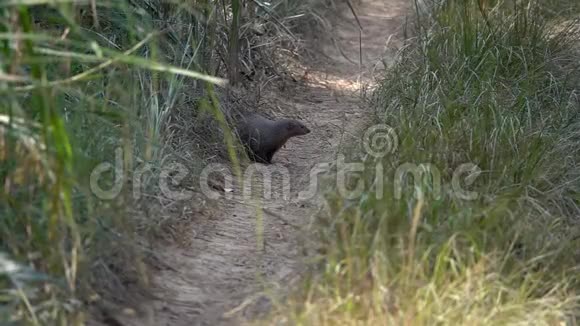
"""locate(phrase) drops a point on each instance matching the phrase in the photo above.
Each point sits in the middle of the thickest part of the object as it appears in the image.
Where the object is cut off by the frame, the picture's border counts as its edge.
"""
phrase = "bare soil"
(223, 274)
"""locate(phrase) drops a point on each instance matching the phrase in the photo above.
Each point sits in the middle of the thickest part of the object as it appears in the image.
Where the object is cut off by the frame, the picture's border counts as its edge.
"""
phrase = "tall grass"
(70, 97)
(80, 81)
(491, 86)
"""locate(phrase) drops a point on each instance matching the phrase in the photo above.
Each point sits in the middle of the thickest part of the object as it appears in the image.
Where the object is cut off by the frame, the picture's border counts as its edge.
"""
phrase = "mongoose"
(262, 137)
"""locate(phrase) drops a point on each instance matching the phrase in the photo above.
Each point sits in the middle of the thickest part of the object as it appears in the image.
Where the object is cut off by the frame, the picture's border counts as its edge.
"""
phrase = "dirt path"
(221, 277)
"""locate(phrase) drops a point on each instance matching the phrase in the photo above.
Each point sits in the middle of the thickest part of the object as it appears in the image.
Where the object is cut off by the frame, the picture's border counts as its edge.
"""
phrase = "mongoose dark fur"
(263, 137)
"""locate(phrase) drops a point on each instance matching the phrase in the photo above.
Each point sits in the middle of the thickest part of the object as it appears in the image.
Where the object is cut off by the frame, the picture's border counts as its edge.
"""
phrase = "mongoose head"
(296, 128)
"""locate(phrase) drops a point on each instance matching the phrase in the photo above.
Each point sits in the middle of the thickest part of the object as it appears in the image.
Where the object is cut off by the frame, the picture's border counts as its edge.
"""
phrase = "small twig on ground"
(280, 218)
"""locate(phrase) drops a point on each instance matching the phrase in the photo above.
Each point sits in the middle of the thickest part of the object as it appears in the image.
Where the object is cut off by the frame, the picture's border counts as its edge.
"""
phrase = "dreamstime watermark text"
(216, 180)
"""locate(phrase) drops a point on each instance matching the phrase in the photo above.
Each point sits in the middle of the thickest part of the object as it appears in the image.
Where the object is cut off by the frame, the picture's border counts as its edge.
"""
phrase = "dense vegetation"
(494, 86)
(88, 87)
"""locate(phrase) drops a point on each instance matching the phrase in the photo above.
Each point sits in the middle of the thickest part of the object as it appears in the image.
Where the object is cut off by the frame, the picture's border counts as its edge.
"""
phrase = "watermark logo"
(378, 141)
